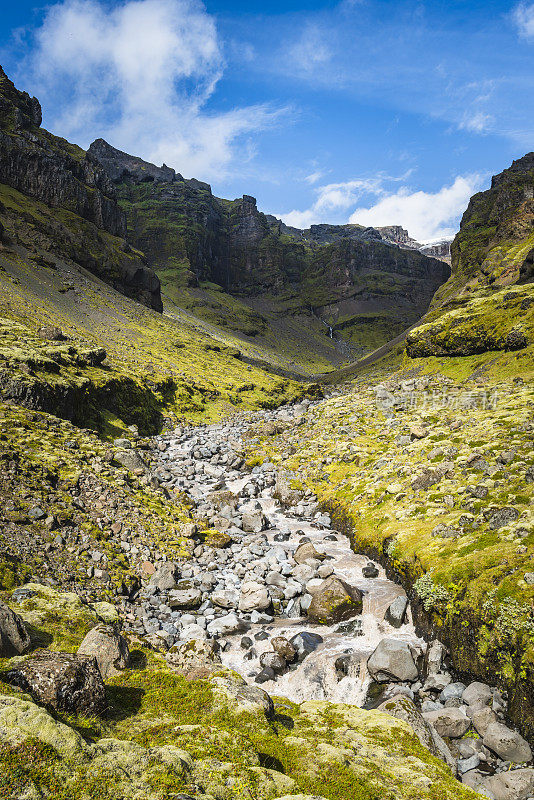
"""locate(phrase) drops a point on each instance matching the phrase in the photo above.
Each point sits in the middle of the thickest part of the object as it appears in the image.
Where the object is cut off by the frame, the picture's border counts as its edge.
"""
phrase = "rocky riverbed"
(272, 591)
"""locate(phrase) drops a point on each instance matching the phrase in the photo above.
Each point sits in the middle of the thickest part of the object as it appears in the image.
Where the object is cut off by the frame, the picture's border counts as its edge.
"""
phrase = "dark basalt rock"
(61, 682)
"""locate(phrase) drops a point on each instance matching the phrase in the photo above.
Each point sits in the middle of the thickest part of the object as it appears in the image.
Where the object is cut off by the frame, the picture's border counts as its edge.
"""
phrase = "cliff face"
(488, 302)
(50, 170)
(191, 237)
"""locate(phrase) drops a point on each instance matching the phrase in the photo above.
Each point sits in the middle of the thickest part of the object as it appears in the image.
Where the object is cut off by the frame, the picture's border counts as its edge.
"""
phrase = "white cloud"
(523, 16)
(313, 177)
(310, 51)
(141, 75)
(476, 122)
(333, 198)
(427, 216)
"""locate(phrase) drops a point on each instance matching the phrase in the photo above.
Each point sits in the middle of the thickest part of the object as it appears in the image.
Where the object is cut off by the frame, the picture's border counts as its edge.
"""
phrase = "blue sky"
(371, 112)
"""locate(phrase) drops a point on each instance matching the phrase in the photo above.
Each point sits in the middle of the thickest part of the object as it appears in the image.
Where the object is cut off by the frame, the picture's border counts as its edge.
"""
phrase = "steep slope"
(487, 304)
(344, 282)
(88, 227)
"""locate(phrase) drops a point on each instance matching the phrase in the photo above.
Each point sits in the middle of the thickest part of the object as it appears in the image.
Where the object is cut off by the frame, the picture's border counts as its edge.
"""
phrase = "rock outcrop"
(55, 172)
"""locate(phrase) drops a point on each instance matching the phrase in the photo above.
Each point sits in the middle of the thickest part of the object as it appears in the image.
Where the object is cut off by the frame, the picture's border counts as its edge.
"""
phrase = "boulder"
(227, 598)
(284, 492)
(284, 648)
(392, 660)
(61, 681)
(110, 649)
(306, 552)
(14, 638)
(370, 570)
(254, 597)
(481, 718)
(195, 658)
(508, 744)
(185, 598)
(396, 613)
(273, 661)
(131, 460)
(305, 643)
(22, 720)
(333, 601)
(449, 722)
(254, 522)
(478, 695)
(164, 578)
(244, 698)
(224, 626)
(517, 784)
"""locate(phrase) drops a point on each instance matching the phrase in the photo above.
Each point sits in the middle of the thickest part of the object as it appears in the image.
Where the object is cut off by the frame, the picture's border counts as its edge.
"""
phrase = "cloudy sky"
(363, 111)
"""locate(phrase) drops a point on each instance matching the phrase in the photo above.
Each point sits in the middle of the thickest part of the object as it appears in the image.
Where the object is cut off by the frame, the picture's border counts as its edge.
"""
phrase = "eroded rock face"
(14, 638)
(402, 707)
(110, 649)
(333, 601)
(61, 682)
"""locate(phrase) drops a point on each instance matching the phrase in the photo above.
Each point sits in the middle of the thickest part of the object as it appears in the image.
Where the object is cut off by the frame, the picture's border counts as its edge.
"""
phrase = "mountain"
(237, 267)
(87, 226)
(487, 303)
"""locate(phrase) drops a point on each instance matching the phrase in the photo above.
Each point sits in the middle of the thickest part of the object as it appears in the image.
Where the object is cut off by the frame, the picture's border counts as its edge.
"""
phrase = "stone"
(370, 570)
(305, 643)
(517, 784)
(396, 613)
(195, 658)
(228, 598)
(62, 682)
(449, 722)
(404, 708)
(284, 648)
(21, 720)
(14, 638)
(418, 432)
(502, 516)
(254, 522)
(508, 744)
(110, 649)
(185, 598)
(452, 691)
(245, 698)
(481, 718)
(273, 661)
(254, 597)
(477, 695)
(131, 460)
(164, 578)
(225, 626)
(264, 675)
(392, 660)
(283, 490)
(333, 601)
(306, 552)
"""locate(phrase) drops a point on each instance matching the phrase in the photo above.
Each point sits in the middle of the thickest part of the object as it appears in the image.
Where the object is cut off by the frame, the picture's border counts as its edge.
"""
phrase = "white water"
(316, 677)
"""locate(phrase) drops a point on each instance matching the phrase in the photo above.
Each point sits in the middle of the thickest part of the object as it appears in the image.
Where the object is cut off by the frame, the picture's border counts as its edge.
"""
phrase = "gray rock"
(229, 598)
(392, 660)
(164, 577)
(402, 707)
(254, 522)
(131, 460)
(194, 658)
(450, 722)
(333, 601)
(481, 718)
(508, 744)
(254, 597)
(273, 661)
(185, 598)
(110, 649)
(477, 694)
(396, 613)
(452, 690)
(467, 764)
(14, 638)
(370, 570)
(517, 784)
(502, 516)
(305, 643)
(225, 626)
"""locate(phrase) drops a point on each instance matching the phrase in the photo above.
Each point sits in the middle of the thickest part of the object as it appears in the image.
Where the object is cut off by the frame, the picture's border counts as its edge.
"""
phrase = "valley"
(266, 493)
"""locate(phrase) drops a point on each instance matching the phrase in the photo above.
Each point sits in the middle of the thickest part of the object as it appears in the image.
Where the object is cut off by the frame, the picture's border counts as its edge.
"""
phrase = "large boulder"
(21, 720)
(224, 626)
(164, 577)
(517, 784)
(14, 638)
(333, 601)
(61, 682)
(195, 658)
(254, 597)
(305, 643)
(306, 552)
(110, 649)
(130, 459)
(449, 722)
(248, 699)
(478, 695)
(185, 599)
(508, 744)
(392, 660)
(396, 613)
(284, 492)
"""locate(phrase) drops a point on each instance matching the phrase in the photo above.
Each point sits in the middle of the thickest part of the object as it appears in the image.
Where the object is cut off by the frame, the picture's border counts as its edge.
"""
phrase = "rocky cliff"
(346, 274)
(488, 303)
(50, 170)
